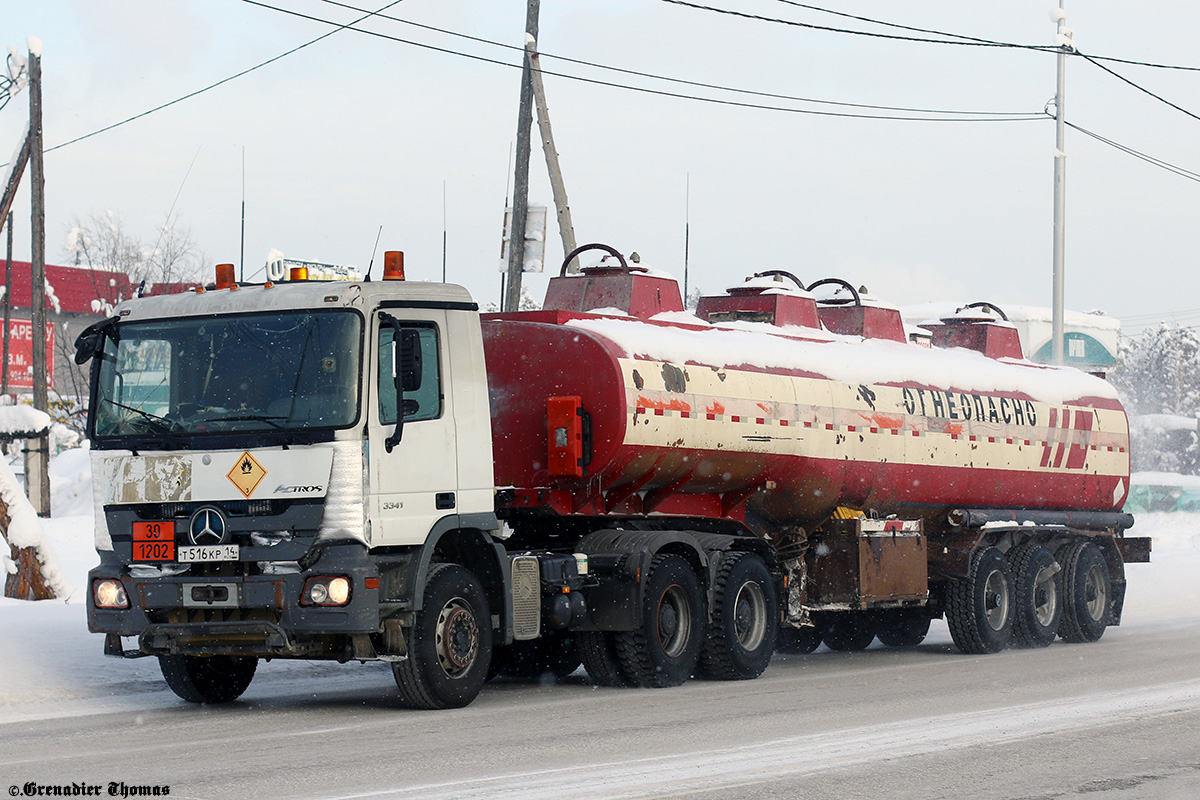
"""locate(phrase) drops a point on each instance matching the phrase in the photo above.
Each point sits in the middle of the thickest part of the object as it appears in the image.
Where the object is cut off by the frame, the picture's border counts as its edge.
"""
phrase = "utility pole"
(562, 207)
(1060, 185)
(516, 234)
(7, 303)
(37, 476)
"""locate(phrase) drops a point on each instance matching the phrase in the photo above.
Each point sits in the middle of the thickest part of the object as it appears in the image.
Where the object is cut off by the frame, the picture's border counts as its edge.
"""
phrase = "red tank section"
(703, 421)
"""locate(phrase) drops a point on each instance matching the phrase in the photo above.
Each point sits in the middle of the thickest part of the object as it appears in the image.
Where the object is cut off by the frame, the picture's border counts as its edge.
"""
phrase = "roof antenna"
(373, 249)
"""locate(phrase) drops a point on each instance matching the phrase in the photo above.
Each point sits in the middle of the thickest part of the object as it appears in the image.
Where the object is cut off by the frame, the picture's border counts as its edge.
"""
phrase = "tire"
(744, 626)
(1038, 595)
(554, 655)
(800, 640)
(598, 653)
(208, 679)
(850, 630)
(450, 648)
(1087, 593)
(902, 627)
(979, 608)
(664, 650)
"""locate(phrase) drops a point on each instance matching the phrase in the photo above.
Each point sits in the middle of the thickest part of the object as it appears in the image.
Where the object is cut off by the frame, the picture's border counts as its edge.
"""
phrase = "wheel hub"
(457, 638)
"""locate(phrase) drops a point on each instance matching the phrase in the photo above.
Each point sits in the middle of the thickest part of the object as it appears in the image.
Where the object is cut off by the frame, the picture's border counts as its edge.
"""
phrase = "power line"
(682, 81)
(1139, 87)
(988, 42)
(1158, 162)
(220, 82)
(968, 41)
(999, 117)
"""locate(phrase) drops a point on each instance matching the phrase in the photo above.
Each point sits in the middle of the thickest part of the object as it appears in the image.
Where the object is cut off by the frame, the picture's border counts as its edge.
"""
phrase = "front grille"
(233, 508)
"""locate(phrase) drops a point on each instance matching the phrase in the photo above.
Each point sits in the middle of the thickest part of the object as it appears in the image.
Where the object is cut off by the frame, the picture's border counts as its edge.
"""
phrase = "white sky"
(357, 132)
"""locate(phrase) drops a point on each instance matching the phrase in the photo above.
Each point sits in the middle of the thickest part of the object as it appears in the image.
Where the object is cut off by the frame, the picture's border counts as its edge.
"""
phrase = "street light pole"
(1060, 186)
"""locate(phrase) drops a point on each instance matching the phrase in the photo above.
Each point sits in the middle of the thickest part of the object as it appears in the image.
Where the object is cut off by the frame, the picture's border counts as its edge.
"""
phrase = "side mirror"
(408, 361)
(91, 341)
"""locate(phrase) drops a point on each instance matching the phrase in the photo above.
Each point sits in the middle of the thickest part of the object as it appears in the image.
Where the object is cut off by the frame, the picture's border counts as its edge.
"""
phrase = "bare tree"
(103, 243)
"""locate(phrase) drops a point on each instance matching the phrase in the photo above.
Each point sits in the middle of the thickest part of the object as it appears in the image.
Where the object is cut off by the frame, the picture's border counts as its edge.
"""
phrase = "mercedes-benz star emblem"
(207, 527)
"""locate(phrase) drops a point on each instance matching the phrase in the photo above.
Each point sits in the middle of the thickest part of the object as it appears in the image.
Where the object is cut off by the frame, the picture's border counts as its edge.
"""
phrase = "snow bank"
(17, 420)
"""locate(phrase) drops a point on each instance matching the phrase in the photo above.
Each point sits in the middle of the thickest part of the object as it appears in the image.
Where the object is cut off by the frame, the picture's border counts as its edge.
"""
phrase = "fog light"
(110, 594)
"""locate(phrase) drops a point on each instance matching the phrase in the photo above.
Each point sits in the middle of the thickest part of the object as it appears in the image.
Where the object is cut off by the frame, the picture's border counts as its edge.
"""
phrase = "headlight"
(110, 594)
(326, 591)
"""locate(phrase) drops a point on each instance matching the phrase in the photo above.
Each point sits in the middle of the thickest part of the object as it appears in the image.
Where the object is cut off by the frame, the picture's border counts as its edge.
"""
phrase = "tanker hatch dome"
(612, 284)
(982, 327)
(768, 297)
(844, 310)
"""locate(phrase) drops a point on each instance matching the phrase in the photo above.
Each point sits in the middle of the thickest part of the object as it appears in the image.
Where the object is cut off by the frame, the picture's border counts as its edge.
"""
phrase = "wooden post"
(37, 476)
(7, 304)
(516, 232)
(565, 228)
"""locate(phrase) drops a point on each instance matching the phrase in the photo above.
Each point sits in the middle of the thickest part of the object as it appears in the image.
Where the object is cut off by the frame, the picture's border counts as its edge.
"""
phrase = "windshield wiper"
(161, 424)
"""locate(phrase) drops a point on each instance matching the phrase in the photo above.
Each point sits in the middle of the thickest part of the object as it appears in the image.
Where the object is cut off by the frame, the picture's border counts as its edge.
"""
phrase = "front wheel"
(1087, 592)
(979, 608)
(744, 626)
(451, 644)
(664, 649)
(208, 679)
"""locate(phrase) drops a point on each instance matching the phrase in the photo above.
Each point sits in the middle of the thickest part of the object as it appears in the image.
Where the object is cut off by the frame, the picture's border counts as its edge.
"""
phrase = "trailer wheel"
(800, 640)
(850, 630)
(741, 639)
(555, 654)
(208, 679)
(979, 608)
(1087, 593)
(664, 650)
(451, 644)
(903, 627)
(1038, 598)
(598, 652)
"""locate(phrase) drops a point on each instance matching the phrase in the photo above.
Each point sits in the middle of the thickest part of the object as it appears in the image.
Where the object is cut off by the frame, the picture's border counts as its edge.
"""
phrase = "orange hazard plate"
(153, 541)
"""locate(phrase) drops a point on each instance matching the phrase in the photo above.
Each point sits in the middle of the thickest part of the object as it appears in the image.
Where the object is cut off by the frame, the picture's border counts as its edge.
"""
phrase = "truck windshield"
(285, 370)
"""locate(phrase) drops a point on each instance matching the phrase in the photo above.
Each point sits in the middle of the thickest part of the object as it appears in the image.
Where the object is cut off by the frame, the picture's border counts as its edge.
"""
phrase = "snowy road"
(1120, 718)
(1116, 719)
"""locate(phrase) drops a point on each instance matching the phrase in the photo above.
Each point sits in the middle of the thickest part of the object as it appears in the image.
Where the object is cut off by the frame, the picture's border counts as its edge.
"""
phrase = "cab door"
(416, 483)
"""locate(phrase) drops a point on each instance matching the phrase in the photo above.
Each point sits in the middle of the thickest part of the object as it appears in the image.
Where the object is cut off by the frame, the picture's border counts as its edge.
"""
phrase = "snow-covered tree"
(1158, 377)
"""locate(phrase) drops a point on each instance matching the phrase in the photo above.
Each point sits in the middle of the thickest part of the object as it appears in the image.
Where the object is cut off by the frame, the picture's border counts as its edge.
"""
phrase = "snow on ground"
(51, 666)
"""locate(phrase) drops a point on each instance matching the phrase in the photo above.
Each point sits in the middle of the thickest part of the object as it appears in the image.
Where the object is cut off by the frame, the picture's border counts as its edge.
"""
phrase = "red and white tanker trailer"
(375, 471)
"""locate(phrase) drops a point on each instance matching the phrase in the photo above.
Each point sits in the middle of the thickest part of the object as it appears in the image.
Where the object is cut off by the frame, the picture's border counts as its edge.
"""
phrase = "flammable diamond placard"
(246, 474)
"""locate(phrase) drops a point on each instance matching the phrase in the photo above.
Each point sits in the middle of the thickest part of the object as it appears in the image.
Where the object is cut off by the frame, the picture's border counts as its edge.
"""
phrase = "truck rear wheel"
(208, 679)
(1087, 592)
(850, 630)
(979, 608)
(1038, 596)
(800, 640)
(451, 643)
(903, 627)
(741, 639)
(555, 654)
(598, 652)
(664, 649)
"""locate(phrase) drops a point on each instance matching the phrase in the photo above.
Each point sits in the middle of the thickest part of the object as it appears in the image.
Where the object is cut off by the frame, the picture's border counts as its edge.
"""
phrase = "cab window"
(424, 403)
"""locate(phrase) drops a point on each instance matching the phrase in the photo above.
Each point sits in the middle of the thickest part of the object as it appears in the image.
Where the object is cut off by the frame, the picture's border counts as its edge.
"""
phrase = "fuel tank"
(791, 421)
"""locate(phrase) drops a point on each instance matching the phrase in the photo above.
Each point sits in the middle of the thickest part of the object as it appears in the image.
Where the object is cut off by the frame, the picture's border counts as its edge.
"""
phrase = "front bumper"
(257, 615)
